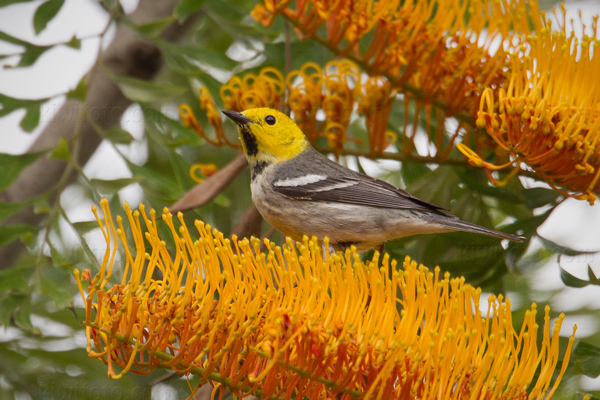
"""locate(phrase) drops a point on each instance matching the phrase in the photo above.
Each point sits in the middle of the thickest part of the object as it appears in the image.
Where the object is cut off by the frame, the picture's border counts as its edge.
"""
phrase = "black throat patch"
(258, 168)
(249, 141)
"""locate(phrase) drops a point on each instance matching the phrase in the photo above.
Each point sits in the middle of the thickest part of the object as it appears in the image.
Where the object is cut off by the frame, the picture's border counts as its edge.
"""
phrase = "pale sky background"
(575, 223)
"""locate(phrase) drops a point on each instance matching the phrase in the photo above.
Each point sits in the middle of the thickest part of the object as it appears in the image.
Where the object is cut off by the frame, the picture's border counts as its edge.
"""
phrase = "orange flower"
(295, 322)
(549, 115)
(440, 58)
(204, 170)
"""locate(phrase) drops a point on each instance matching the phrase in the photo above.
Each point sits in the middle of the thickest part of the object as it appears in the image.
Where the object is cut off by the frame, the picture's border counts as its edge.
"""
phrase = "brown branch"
(204, 192)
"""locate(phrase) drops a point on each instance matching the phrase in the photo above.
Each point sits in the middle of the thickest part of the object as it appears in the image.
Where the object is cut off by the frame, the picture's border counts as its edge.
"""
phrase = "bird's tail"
(457, 224)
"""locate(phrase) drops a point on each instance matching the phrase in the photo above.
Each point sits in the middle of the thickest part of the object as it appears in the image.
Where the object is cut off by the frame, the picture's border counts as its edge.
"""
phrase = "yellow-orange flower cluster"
(549, 115)
(295, 322)
(337, 90)
(437, 51)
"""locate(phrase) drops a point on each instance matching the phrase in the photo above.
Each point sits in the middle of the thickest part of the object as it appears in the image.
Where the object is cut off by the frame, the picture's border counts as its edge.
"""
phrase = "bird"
(301, 192)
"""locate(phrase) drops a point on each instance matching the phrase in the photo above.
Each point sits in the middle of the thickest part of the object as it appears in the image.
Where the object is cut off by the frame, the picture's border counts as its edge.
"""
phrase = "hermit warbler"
(301, 192)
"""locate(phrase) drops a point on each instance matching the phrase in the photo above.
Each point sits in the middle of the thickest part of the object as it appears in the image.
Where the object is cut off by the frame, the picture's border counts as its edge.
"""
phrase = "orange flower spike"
(266, 321)
(550, 120)
(305, 99)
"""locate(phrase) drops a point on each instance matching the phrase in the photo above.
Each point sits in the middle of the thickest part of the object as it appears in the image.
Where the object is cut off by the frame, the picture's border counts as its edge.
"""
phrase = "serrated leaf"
(117, 136)
(112, 186)
(44, 14)
(185, 8)
(62, 298)
(10, 233)
(570, 280)
(139, 90)
(61, 151)
(80, 91)
(12, 165)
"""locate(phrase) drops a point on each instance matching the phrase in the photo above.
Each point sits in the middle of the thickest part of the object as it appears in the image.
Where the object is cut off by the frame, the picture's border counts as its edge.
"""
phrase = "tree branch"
(127, 55)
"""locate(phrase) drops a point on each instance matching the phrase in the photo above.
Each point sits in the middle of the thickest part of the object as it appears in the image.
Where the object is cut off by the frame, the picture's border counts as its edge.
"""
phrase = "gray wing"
(334, 183)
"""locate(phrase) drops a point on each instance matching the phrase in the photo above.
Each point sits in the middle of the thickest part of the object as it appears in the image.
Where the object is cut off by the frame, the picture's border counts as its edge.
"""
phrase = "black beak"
(237, 117)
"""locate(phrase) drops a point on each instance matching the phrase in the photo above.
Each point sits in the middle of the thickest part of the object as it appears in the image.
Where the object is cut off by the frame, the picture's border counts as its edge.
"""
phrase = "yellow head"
(268, 135)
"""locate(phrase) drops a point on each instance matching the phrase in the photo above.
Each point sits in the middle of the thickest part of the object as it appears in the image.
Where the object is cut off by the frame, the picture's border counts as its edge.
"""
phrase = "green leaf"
(155, 182)
(4, 3)
(139, 90)
(112, 186)
(12, 165)
(154, 28)
(586, 357)
(61, 298)
(74, 43)
(32, 110)
(593, 279)
(539, 197)
(10, 233)
(41, 206)
(222, 200)
(44, 14)
(84, 227)
(191, 58)
(32, 52)
(567, 251)
(61, 151)
(22, 315)
(32, 117)
(80, 91)
(58, 260)
(117, 136)
(413, 171)
(185, 8)
(7, 305)
(15, 279)
(572, 281)
(9, 209)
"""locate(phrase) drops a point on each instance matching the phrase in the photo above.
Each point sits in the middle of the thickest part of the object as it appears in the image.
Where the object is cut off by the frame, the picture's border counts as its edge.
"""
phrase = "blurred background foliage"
(41, 342)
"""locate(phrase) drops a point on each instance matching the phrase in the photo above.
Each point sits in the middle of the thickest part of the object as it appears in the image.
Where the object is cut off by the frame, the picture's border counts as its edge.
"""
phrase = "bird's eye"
(269, 119)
